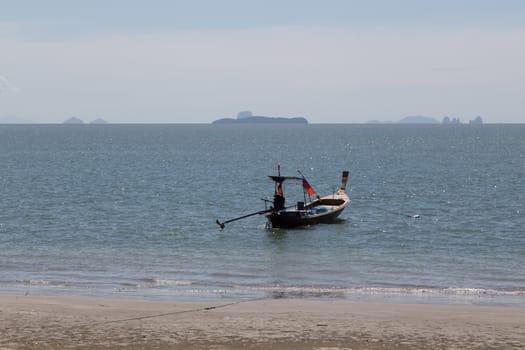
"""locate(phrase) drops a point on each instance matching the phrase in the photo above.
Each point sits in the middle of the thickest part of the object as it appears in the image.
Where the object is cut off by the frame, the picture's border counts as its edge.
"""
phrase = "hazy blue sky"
(195, 61)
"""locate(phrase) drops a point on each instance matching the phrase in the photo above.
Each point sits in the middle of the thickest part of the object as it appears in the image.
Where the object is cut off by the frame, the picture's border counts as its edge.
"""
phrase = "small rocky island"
(77, 121)
(74, 121)
(246, 117)
(98, 121)
(420, 119)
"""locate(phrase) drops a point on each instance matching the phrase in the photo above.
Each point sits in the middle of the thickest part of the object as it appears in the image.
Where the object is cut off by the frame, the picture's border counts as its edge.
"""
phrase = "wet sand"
(42, 322)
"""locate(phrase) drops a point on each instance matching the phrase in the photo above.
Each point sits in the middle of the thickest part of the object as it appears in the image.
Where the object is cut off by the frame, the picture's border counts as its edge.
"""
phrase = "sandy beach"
(44, 322)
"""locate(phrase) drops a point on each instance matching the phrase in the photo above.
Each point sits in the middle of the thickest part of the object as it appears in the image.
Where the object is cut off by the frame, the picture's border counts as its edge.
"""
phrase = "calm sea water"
(130, 210)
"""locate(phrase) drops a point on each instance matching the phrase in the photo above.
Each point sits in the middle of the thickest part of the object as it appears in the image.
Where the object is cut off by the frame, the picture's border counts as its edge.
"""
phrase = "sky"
(331, 61)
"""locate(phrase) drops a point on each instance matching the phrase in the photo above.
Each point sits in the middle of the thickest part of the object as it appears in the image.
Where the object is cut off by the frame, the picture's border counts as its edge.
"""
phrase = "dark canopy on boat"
(281, 179)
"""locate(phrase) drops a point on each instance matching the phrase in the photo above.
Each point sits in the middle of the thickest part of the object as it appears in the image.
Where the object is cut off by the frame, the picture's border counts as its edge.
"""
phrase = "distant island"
(77, 121)
(413, 119)
(246, 117)
(419, 119)
(73, 120)
(448, 120)
(98, 121)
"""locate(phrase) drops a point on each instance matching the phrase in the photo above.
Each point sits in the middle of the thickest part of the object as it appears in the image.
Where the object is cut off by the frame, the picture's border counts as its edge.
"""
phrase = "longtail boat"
(313, 209)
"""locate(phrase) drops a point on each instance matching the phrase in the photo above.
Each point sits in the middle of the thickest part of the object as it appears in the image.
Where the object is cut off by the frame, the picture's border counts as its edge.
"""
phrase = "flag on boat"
(309, 189)
(344, 180)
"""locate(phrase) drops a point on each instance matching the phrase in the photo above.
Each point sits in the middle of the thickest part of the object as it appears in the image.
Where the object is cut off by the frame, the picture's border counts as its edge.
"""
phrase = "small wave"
(451, 291)
(160, 281)
(279, 292)
(476, 291)
(341, 292)
(39, 282)
(33, 282)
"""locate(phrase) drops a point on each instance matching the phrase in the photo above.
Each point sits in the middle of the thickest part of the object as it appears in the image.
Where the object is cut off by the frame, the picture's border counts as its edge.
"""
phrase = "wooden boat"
(312, 210)
(319, 210)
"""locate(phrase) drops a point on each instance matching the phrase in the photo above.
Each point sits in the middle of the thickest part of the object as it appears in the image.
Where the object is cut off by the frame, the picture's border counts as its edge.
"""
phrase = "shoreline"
(51, 322)
(187, 292)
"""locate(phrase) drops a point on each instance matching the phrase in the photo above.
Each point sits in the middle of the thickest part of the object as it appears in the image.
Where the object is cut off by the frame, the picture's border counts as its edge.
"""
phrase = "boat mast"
(278, 196)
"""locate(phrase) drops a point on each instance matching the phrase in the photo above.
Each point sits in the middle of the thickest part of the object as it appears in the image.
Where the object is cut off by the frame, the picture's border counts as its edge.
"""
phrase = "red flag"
(309, 189)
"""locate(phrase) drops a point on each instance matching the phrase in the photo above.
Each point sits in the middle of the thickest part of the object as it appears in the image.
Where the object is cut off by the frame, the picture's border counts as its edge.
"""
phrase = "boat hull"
(320, 211)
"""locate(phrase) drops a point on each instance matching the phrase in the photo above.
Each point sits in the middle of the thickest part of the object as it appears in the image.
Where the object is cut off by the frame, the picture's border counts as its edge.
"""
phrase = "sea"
(437, 212)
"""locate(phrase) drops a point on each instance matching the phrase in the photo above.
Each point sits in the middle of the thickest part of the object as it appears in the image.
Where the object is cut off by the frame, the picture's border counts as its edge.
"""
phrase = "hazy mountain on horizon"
(413, 119)
(73, 120)
(247, 117)
(99, 121)
(418, 119)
